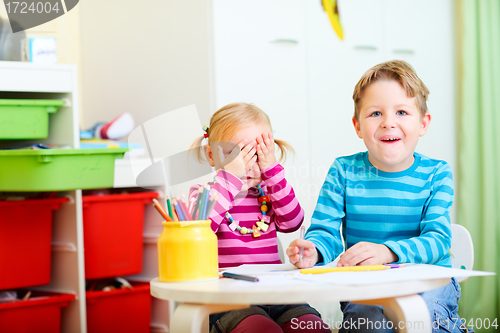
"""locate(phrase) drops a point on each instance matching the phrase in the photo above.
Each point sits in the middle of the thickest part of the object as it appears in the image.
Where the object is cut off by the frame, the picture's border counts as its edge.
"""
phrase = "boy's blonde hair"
(399, 71)
(231, 118)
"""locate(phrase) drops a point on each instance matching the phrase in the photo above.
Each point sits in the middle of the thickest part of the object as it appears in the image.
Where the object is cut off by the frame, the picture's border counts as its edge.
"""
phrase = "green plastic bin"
(26, 118)
(58, 169)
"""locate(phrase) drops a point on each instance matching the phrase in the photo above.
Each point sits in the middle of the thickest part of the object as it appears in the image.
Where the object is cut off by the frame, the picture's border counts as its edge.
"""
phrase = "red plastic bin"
(120, 310)
(25, 241)
(112, 233)
(41, 313)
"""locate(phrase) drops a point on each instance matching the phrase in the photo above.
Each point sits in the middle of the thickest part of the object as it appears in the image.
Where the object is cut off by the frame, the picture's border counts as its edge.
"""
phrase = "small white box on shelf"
(43, 50)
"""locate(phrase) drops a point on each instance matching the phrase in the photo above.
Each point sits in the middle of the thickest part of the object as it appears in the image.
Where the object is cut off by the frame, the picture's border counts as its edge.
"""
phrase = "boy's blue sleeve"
(324, 231)
(434, 240)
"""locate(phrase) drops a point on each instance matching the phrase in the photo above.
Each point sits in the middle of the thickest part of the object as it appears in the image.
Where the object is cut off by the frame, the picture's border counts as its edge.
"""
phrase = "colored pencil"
(185, 210)
(172, 208)
(179, 211)
(176, 218)
(197, 203)
(211, 203)
(169, 207)
(161, 210)
(191, 206)
(200, 203)
(206, 194)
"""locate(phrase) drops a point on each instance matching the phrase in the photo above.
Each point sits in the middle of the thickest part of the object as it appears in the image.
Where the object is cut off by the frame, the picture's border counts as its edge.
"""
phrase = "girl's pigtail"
(285, 149)
(196, 148)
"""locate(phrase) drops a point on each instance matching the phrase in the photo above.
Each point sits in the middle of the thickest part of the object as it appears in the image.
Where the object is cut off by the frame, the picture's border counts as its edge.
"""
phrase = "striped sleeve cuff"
(229, 181)
(271, 171)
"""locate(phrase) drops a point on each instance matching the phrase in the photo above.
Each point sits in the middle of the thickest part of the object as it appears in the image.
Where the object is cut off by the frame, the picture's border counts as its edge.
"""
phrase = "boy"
(392, 203)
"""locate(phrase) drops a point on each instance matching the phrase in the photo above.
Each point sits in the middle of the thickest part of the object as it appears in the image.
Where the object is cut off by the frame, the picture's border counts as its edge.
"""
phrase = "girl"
(255, 201)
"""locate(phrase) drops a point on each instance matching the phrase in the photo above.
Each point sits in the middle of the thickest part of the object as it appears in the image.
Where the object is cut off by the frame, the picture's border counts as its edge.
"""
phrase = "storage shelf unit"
(29, 81)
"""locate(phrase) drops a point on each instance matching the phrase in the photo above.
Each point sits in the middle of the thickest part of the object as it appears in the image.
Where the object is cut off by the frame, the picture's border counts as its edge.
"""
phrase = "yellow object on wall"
(331, 8)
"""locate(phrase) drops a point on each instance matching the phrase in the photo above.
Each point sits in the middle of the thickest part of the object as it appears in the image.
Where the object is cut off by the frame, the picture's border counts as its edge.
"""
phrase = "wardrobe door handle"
(283, 41)
(404, 51)
(365, 47)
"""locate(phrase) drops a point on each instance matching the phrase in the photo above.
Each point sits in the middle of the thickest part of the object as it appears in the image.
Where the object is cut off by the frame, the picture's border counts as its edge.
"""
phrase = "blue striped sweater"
(407, 211)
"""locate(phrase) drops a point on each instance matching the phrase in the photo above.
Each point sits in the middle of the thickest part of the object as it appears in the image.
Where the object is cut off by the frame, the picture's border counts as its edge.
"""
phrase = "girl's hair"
(231, 118)
(396, 70)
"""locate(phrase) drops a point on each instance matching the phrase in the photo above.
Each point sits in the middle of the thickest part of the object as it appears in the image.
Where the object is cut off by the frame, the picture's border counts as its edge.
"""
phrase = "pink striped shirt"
(284, 210)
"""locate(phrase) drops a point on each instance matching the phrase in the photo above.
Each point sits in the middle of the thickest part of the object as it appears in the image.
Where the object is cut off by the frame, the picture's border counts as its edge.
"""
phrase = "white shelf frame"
(27, 80)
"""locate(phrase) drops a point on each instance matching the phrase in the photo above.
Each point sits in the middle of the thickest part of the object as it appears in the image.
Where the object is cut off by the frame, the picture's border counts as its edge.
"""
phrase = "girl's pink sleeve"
(288, 213)
(227, 186)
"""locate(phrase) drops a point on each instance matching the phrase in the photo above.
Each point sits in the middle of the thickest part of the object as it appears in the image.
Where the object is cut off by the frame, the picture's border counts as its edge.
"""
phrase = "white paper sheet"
(275, 280)
(408, 273)
(278, 269)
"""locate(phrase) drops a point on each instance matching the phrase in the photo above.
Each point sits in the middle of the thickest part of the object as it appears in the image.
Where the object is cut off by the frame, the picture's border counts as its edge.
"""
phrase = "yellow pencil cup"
(187, 251)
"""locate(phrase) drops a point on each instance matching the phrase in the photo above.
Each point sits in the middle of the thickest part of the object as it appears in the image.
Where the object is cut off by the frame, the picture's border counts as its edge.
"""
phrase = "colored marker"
(240, 277)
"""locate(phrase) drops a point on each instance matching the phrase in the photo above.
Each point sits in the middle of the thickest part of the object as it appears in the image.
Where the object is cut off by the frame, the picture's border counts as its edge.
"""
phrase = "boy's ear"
(424, 124)
(357, 127)
(208, 154)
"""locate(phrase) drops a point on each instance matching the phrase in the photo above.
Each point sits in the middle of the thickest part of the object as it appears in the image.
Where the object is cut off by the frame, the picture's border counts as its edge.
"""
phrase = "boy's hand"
(265, 151)
(310, 254)
(240, 160)
(365, 253)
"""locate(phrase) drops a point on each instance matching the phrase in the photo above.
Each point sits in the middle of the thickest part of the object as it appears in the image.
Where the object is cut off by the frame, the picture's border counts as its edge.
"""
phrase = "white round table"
(199, 299)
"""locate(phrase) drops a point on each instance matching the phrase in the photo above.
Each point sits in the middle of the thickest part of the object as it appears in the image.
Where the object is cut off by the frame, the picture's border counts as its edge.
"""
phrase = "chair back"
(462, 249)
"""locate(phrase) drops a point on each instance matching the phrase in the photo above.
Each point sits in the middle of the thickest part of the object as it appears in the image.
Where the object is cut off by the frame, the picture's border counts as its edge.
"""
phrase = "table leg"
(193, 318)
(409, 314)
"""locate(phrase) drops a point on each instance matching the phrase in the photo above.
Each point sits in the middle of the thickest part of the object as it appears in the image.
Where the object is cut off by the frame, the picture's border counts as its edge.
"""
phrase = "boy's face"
(390, 124)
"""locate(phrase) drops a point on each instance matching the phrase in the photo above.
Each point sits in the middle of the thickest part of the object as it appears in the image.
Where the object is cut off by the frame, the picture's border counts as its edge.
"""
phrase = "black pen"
(240, 277)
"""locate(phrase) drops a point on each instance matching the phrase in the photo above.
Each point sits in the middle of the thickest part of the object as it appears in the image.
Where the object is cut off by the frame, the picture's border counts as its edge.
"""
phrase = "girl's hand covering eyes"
(265, 151)
(240, 160)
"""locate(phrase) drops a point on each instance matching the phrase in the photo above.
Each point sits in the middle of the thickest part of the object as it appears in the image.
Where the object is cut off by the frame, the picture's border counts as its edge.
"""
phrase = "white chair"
(282, 252)
(462, 249)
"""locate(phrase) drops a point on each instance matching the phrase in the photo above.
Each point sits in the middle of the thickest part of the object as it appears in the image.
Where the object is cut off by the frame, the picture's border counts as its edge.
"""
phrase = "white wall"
(418, 31)
(285, 57)
(145, 58)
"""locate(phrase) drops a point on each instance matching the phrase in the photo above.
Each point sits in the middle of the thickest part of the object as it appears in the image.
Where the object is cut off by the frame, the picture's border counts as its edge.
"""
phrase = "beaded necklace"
(261, 225)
